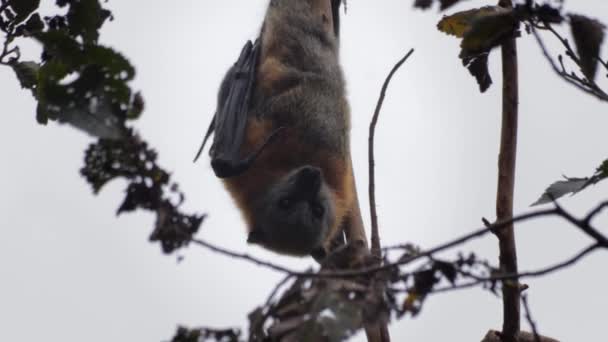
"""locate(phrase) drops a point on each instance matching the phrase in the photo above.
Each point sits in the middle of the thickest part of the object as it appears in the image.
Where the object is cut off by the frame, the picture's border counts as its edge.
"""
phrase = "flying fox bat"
(281, 131)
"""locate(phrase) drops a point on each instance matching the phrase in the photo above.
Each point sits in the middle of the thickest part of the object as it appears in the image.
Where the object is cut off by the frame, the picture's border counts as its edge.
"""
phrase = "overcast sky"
(71, 270)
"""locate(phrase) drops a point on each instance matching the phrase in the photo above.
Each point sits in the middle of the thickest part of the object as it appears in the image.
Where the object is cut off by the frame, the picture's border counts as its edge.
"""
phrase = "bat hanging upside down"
(281, 142)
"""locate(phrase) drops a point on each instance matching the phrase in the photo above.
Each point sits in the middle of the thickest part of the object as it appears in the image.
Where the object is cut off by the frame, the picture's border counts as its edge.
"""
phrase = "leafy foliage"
(79, 82)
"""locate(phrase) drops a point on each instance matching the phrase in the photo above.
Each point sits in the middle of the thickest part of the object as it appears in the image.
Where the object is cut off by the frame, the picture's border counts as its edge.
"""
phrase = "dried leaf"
(481, 30)
(488, 31)
(561, 188)
(459, 23)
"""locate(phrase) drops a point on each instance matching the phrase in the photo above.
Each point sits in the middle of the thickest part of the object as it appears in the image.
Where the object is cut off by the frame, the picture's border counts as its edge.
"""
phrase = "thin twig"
(524, 300)
(584, 85)
(532, 274)
(277, 288)
(445, 246)
(375, 235)
(550, 269)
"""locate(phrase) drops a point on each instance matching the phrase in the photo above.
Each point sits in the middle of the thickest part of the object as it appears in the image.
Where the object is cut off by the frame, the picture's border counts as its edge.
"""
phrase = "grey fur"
(313, 99)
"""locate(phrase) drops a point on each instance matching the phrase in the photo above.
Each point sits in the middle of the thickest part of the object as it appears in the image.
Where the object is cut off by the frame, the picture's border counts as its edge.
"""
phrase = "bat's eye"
(318, 210)
(285, 203)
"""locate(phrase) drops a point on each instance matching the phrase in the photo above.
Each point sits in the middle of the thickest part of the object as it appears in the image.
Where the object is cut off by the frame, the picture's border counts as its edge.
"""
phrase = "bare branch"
(375, 236)
(506, 184)
(579, 223)
(524, 300)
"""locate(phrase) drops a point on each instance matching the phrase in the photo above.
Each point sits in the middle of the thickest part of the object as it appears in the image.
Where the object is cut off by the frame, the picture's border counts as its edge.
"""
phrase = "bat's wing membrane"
(230, 120)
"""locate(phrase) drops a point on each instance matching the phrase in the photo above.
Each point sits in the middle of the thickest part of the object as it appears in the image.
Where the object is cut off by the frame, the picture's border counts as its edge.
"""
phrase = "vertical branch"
(376, 249)
(378, 332)
(506, 184)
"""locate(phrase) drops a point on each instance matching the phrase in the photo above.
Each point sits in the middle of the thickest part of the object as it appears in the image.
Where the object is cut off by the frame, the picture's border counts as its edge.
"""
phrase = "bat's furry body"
(296, 191)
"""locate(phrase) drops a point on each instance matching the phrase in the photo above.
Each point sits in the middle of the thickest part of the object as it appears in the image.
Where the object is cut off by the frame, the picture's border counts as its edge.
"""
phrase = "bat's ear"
(256, 236)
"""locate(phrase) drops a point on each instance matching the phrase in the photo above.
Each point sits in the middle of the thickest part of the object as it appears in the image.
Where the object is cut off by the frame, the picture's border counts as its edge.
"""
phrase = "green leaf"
(23, 8)
(588, 36)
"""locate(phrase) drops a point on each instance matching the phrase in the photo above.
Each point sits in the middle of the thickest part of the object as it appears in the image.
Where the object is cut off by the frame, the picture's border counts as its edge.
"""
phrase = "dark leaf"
(85, 18)
(478, 67)
(137, 106)
(588, 36)
(423, 4)
(23, 8)
(204, 334)
(140, 195)
(424, 281)
(131, 159)
(448, 270)
(548, 14)
(42, 117)
(174, 229)
(27, 73)
(445, 4)
(34, 24)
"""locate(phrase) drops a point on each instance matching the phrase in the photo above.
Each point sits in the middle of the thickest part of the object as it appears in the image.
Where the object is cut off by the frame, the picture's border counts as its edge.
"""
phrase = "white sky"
(71, 270)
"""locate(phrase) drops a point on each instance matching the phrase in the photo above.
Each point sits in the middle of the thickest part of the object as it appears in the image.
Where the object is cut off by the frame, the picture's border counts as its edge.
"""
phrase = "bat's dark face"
(296, 213)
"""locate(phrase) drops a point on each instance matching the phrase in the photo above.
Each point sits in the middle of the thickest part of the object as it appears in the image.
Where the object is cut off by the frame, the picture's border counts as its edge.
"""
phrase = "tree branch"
(585, 85)
(524, 300)
(506, 185)
(582, 224)
(375, 235)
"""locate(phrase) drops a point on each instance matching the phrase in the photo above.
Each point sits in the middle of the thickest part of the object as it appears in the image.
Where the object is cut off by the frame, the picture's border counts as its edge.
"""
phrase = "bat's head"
(295, 214)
